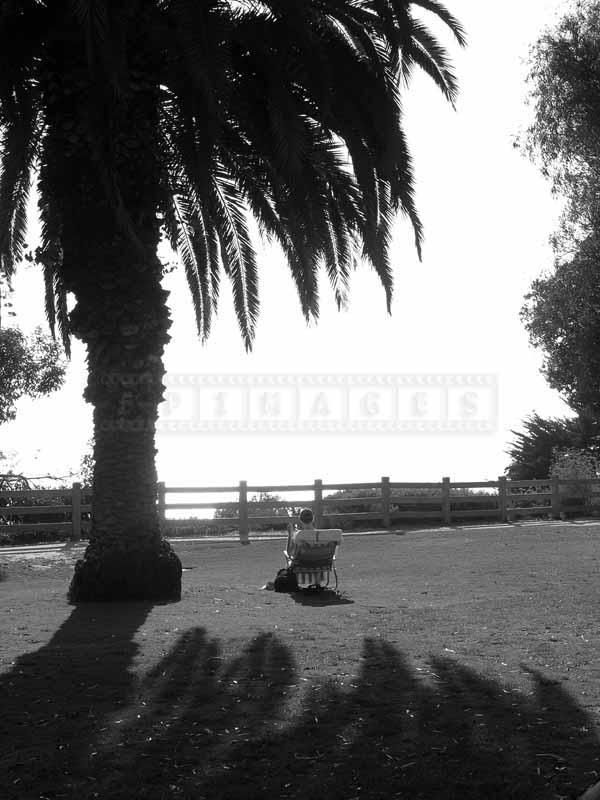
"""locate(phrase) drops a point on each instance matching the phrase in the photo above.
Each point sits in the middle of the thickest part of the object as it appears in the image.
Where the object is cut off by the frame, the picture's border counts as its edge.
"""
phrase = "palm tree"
(140, 118)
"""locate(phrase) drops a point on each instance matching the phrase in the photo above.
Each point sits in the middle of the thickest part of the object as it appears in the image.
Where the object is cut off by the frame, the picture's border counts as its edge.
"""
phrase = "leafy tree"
(31, 366)
(532, 451)
(562, 317)
(564, 138)
(150, 116)
(86, 467)
(562, 310)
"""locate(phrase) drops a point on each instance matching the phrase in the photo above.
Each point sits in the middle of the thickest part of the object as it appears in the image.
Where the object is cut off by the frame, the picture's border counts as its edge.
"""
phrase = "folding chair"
(310, 554)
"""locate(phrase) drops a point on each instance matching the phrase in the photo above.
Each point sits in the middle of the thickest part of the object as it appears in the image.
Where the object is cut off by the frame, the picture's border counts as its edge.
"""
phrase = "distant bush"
(532, 449)
(369, 500)
(461, 499)
(573, 463)
(195, 527)
(35, 536)
(261, 505)
(10, 510)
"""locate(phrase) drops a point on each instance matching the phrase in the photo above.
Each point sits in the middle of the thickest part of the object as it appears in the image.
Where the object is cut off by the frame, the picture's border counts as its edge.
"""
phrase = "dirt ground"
(454, 664)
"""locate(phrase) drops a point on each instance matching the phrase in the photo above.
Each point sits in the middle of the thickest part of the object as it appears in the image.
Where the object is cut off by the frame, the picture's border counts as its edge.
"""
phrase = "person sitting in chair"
(311, 552)
(306, 519)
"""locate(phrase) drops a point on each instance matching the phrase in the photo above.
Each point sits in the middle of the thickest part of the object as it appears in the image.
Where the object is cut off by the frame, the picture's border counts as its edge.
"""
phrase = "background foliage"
(31, 366)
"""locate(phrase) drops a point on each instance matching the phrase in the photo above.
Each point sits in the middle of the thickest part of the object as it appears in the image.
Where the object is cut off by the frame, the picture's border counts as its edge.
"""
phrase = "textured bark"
(109, 236)
(126, 558)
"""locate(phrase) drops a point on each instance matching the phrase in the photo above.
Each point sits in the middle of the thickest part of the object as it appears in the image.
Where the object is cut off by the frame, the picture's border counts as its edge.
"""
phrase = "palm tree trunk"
(103, 172)
(126, 558)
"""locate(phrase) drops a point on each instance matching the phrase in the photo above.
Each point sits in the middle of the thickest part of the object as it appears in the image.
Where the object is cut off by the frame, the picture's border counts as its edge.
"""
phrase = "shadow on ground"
(77, 723)
(321, 597)
(55, 700)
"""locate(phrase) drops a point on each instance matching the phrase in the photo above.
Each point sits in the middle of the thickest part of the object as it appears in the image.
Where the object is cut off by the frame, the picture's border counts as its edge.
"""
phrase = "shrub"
(369, 500)
(261, 505)
(575, 464)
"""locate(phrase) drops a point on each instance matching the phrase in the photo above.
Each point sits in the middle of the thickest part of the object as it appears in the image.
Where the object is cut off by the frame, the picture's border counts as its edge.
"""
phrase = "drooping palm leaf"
(288, 112)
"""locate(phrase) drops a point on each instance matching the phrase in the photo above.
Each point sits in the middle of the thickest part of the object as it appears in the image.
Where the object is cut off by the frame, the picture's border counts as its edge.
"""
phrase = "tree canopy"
(562, 317)
(290, 111)
(31, 366)
(562, 309)
(564, 137)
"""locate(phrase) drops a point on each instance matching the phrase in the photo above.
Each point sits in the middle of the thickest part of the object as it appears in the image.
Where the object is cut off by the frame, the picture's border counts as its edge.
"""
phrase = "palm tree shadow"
(240, 727)
(193, 708)
(53, 699)
(394, 733)
(207, 724)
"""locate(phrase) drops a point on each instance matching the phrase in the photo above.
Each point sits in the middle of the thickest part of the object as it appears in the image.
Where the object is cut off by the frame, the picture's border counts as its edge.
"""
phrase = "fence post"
(243, 513)
(385, 502)
(318, 504)
(555, 497)
(502, 498)
(76, 511)
(446, 510)
(162, 503)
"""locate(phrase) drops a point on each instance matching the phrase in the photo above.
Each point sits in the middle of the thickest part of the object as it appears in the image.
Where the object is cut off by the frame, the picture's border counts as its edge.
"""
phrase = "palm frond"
(49, 302)
(427, 53)
(229, 216)
(55, 301)
(18, 151)
(50, 256)
(449, 19)
(62, 314)
(287, 112)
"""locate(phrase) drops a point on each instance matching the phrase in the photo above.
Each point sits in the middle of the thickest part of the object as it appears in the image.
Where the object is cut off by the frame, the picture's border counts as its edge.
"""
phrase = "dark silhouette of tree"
(183, 118)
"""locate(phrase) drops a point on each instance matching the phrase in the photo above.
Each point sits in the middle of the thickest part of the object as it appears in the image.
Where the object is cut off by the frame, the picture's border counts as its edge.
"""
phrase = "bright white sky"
(487, 214)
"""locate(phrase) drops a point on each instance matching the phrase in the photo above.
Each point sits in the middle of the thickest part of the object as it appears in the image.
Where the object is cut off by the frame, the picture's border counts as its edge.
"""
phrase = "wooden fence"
(396, 502)
(388, 503)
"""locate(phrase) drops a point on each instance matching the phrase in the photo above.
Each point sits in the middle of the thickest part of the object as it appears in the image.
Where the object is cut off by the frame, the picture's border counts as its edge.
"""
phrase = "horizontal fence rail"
(383, 503)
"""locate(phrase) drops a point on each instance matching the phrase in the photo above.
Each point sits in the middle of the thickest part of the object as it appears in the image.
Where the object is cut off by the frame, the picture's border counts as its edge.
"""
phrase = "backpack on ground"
(286, 581)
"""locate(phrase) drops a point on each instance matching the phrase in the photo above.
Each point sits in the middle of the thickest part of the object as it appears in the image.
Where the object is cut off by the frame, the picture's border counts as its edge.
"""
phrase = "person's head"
(306, 517)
